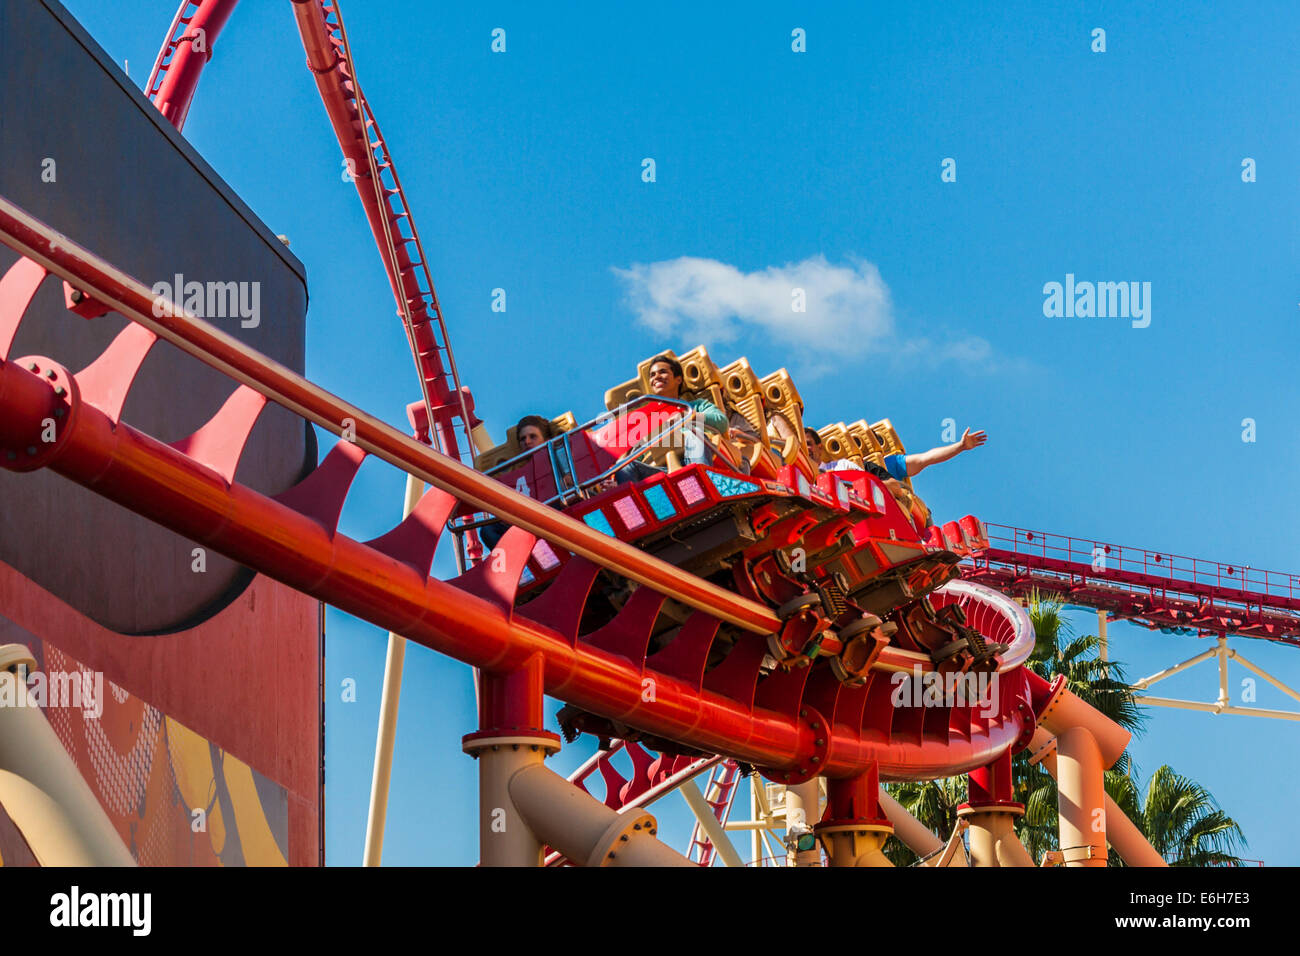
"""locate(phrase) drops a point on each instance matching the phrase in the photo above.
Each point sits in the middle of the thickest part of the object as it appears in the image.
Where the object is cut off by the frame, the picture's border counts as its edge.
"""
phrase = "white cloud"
(848, 312)
(845, 307)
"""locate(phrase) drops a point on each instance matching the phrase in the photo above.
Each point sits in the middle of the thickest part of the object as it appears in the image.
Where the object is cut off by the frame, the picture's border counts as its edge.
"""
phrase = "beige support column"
(505, 838)
(855, 844)
(482, 440)
(954, 852)
(1104, 644)
(1081, 798)
(1222, 650)
(802, 811)
(993, 840)
(580, 826)
(386, 736)
(50, 833)
(41, 788)
(982, 841)
(1121, 832)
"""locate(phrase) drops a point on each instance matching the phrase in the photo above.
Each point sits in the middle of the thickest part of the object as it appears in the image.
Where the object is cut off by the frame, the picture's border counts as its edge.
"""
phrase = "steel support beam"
(710, 824)
(386, 735)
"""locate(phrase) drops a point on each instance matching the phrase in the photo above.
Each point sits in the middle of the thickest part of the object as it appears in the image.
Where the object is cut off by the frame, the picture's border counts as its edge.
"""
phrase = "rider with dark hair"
(817, 451)
(531, 432)
(669, 381)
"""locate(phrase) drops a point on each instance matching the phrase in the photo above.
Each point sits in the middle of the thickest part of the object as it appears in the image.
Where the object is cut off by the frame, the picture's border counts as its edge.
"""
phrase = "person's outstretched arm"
(919, 462)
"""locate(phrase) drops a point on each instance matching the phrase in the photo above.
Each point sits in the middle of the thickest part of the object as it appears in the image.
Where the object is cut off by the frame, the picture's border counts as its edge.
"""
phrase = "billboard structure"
(185, 688)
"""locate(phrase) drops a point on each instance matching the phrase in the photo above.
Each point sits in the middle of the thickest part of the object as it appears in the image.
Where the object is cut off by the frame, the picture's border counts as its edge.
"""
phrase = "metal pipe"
(1121, 832)
(1264, 674)
(1104, 644)
(914, 834)
(1217, 708)
(954, 851)
(1059, 709)
(54, 837)
(1146, 682)
(584, 829)
(1222, 651)
(710, 824)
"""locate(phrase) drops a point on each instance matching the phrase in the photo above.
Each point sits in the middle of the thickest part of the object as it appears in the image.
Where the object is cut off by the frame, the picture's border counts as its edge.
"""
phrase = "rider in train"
(897, 467)
(532, 431)
(667, 380)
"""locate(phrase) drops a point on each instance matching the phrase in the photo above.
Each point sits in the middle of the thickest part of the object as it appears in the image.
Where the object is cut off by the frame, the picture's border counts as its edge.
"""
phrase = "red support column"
(992, 784)
(510, 738)
(854, 828)
(511, 702)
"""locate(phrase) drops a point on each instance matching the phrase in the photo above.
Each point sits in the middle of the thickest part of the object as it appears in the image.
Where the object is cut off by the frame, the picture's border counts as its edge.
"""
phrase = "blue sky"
(524, 171)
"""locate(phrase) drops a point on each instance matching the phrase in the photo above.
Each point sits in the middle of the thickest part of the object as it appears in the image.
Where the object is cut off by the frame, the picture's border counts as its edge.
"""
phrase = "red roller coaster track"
(1155, 589)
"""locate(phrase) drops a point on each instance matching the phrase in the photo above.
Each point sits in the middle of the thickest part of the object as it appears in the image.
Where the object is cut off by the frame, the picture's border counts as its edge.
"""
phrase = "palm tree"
(1179, 818)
